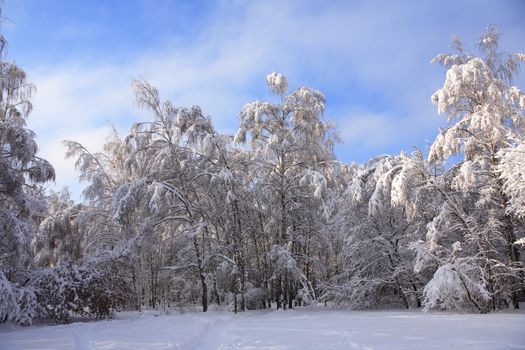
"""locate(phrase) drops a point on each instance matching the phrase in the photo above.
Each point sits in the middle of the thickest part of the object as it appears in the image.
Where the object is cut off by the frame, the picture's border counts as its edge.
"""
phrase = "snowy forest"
(177, 214)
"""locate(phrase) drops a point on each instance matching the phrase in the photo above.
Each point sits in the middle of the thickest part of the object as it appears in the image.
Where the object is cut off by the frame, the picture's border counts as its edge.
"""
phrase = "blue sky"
(370, 58)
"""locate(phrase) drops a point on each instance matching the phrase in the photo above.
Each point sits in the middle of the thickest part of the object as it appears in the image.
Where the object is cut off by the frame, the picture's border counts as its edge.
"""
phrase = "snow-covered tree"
(175, 212)
(513, 177)
(105, 240)
(60, 235)
(379, 217)
(176, 146)
(485, 120)
(21, 170)
(291, 144)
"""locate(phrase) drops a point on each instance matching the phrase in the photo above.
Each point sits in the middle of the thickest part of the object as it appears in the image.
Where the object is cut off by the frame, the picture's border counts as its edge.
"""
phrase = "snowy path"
(302, 329)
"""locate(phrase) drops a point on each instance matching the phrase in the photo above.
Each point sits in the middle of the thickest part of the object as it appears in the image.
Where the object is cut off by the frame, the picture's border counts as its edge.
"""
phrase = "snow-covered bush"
(457, 286)
(59, 292)
(70, 290)
(105, 290)
(255, 298)
(304, 296)
(17, 304)
(8, 304)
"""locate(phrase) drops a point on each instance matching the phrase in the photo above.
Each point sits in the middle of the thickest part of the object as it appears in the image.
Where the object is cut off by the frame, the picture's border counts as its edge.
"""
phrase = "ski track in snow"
(279, 330)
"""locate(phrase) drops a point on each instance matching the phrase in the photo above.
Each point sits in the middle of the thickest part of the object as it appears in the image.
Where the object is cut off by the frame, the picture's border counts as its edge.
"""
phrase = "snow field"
(279, 330)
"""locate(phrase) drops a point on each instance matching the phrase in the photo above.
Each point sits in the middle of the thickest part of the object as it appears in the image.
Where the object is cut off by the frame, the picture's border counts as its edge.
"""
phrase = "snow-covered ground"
(292, 329)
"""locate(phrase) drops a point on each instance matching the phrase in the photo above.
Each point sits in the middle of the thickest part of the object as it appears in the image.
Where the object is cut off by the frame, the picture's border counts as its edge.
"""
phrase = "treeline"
(176, 213)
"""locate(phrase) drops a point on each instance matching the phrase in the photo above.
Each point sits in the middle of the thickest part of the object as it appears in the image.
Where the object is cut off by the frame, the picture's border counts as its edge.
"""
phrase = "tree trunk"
(216, 292)
(202, 275)
(418, 299)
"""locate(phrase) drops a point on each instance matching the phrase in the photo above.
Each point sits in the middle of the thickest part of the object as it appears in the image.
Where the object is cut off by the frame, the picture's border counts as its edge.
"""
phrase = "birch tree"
(483, 122)
(290, 143)
(21, 171)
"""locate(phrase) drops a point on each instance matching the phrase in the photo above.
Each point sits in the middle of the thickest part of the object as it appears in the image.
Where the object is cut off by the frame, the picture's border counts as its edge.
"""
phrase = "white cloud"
(53, 150)
(78, 97)
(378, 131)
(374, 131)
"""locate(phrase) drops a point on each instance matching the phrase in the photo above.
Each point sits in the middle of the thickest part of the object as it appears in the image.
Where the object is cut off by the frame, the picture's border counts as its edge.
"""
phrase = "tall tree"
(21, 171)
(291, 145)
(484, 121)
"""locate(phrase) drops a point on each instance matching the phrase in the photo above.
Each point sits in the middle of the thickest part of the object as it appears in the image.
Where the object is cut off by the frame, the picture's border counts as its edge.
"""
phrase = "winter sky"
(371, 59)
